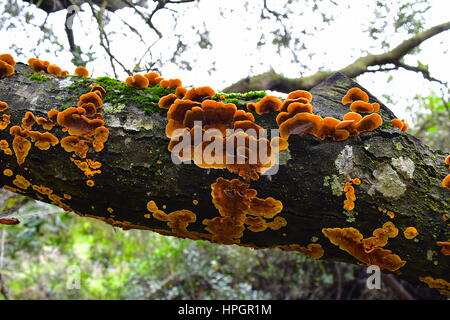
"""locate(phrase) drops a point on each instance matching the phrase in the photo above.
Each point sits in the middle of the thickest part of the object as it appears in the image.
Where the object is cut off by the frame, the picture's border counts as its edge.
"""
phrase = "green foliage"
(41, 252)
(431, 116)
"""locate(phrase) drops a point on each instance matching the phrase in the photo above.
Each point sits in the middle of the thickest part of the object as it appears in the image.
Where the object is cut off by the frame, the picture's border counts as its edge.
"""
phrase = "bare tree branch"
(273, 81)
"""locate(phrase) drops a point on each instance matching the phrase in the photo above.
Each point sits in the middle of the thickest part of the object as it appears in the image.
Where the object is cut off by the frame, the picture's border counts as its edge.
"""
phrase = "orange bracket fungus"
(350, 240)
(355, 94)
(4, 121)
(9, 59)
(410, 233)
(364, 107)
(170, 83)
(6, 69)
(401, 124)
(43, 141)
(446, 182)
(268, 104)
(300, 96)
(55, 70)
(8, 172)
(38, 65)
(75, 144)
(81, 71)
(235, 201)
(77, 123)
(4, 146)
(21, 145)
(166, 101)
(445, 247)
(28, 120)
(3, 106)
(199, 94)
(21, 182)
(178, 220)
(138, 81)
(442, 285)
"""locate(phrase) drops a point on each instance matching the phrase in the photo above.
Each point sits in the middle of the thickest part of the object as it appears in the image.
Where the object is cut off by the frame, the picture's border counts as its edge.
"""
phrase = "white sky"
(234, 40)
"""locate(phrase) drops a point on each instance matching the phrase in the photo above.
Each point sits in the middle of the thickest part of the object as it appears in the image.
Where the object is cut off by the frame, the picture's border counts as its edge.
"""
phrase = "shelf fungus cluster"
(368, 251)
(297, 117)
(44, 66)
(442, 285)
(239, 207)
(239, 210)
(151, 79)
(217, 135)
(84, 124)
(22, 184)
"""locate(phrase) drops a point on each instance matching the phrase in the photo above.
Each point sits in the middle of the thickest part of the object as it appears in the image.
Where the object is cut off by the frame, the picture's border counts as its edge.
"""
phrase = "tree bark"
(398, 173)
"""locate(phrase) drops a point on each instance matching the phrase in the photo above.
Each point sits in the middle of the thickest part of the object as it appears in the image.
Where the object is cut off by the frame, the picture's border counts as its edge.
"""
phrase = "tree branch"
(397, 171)
(273, 81)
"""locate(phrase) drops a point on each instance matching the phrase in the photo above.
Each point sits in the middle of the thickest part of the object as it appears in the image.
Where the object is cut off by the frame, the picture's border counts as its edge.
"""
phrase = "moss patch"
(38, 77)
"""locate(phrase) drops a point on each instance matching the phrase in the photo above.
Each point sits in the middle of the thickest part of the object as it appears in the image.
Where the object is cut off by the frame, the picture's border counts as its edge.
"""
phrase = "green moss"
(251, 95)
(118, 92)
(62, 108)
(38, 77)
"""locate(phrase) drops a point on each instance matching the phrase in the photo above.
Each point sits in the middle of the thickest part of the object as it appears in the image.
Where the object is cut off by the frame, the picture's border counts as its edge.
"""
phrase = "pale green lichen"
(344, 161)
(388, 182)
(399, 146)
(335, 183)
(405, 166)
(110, 108)
(430, 254)
(351, 215)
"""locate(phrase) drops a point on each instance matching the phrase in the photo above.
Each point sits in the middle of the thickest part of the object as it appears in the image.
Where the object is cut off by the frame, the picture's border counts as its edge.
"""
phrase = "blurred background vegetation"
(42, 257)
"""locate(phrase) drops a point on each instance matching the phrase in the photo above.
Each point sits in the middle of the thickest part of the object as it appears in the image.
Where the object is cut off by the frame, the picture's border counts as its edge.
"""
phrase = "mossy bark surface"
(398, 173)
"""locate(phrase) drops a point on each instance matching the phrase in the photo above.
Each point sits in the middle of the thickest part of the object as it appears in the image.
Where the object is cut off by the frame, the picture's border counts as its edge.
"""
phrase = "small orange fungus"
(445, 247)
(81, 71)
(3, 106)
(138, 81)
(268, 104)
(410, 233)
(355, 94)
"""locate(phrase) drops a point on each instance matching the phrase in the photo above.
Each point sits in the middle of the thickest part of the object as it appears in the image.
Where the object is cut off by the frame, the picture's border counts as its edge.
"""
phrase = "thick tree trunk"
(398, 173)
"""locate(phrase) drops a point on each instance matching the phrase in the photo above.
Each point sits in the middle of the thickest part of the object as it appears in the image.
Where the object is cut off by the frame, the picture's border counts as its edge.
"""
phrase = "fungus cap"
(81, 71)
(6, 69)
(9, 59)
(355, 94)
(410, 233)
(268, 104)
(54, 69)
(3, 106)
